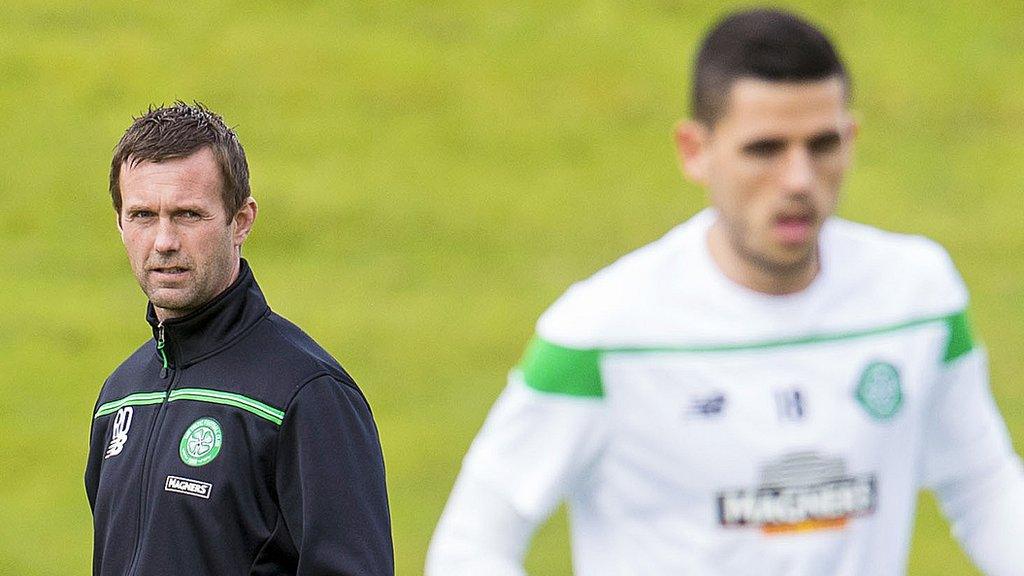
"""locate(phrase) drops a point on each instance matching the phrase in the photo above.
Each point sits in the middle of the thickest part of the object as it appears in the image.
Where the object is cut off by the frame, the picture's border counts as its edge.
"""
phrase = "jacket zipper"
(147, 460)
(160, 348)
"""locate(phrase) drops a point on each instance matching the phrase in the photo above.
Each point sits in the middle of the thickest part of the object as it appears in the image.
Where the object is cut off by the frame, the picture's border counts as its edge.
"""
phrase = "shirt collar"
(214, 325)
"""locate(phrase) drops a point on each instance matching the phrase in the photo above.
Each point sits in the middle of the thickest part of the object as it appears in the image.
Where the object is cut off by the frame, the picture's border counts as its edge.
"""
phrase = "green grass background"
(431, 176)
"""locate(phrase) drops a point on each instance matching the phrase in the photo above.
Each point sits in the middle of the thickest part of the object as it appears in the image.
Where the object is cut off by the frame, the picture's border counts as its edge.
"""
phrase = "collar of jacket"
(215, 325)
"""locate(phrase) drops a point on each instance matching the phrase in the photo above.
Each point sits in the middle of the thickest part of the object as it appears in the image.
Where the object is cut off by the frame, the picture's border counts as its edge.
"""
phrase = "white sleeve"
(971, 465)
(533, 448)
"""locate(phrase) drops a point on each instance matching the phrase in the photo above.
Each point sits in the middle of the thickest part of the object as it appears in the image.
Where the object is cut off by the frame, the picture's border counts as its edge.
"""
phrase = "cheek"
(743, 189)
(830, 178)
(743, 178)
(135, 244)
(210, 245)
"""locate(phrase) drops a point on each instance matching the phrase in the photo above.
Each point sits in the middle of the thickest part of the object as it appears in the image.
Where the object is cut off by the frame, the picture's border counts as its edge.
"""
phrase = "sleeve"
(970, 462)
(540, 440)
(330, 483)
(95, 459)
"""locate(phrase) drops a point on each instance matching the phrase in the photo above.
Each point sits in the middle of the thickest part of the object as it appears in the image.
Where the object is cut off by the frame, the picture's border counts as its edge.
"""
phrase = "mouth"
(168, 271)
(795, 227)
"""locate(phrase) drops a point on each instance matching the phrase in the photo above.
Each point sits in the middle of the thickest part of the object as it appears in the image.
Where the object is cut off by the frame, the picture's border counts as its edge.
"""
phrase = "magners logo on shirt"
(800, 492)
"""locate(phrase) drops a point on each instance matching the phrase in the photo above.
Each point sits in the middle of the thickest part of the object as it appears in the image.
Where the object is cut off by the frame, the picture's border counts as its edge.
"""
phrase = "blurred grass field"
(430, 177)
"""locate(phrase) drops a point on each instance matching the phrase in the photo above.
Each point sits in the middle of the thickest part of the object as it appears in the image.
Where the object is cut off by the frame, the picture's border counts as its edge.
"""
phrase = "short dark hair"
(178, 131)
(764, 44)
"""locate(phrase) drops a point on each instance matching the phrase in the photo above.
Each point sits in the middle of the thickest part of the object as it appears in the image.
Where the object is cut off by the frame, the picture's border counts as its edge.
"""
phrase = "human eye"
(190, 215)
(140, 214)
(764, 149)
(824, 144)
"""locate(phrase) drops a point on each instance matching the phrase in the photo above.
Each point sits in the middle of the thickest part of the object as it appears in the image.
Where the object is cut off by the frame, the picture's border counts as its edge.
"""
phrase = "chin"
(782, 260)
(794, 261)
(180, 303)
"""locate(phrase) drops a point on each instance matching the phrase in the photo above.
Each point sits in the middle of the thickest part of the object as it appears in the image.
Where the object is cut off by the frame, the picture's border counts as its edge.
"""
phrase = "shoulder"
(593, 311)
(327, 395)
(592, 315)
(911, 271)
(291, 341)
(278, 358)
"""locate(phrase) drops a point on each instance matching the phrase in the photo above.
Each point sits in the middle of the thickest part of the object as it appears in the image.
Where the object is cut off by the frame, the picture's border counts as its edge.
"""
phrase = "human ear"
(691, 142)
(243, 220)
(850, 131)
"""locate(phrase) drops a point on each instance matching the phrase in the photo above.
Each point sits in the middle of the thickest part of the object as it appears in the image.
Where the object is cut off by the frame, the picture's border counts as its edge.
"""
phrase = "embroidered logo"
(188, 486)
(201, 442)
(119, 435)
(879, 390)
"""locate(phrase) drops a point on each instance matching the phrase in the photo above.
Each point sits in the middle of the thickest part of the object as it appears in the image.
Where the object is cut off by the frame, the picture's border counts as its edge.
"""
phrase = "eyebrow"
(824, 136)
(176, 210)
(775, 142)
(135, 207)
(762, 144)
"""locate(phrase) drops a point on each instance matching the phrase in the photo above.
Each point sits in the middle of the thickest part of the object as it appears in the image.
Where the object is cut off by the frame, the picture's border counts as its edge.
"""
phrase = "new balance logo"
(122, 422)
(188, 486)
(707, 407)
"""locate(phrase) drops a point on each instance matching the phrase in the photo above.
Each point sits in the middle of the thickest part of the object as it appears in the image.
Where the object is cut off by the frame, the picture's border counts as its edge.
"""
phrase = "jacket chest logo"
(201, 442)
(188, 486)
(119, 431)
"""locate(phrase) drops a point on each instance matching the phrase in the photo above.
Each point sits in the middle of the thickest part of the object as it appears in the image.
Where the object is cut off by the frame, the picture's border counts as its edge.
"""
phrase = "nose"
(167, 239)
(798, 171)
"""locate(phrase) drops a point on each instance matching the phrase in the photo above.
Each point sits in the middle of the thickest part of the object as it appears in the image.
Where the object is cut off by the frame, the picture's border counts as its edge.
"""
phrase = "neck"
(163, 314)
(757, 272)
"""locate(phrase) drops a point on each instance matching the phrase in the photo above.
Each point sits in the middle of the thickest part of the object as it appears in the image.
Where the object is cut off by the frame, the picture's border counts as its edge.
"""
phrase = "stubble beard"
(776, 268)
(202, 286)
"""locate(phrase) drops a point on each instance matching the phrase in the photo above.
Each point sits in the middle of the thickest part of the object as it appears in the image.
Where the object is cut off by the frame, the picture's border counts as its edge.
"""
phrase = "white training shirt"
(698, 427)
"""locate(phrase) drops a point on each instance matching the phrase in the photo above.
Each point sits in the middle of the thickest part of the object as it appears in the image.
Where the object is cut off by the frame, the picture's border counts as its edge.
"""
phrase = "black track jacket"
(232, 444)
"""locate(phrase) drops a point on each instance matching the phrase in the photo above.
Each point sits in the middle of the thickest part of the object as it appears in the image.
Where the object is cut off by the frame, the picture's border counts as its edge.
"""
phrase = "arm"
(971, 465)
(330, 483)
(95, 459)
(542, 436)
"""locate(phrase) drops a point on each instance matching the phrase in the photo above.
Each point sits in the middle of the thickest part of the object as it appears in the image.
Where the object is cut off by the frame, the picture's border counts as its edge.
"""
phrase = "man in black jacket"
(231, 443)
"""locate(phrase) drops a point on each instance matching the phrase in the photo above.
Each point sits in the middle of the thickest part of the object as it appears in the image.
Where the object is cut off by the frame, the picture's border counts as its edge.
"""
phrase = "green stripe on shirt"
(960, 341)
(250, 405)
(557, 369)
(229, 399)
(552, 368)
(137, 399)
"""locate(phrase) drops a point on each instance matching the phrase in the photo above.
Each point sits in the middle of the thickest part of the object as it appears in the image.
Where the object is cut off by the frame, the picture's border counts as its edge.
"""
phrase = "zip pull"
(160, 348)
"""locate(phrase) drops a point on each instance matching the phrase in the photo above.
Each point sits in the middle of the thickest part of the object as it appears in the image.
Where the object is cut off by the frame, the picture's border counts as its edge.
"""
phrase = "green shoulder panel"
(556, 369)
(960, 340)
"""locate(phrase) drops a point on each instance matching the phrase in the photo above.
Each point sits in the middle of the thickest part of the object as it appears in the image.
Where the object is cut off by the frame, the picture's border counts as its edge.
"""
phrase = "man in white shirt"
(765, 389)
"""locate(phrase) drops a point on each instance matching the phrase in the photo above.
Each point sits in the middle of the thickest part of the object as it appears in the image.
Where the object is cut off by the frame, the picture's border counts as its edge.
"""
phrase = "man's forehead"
(195, 175)
(755, 105)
